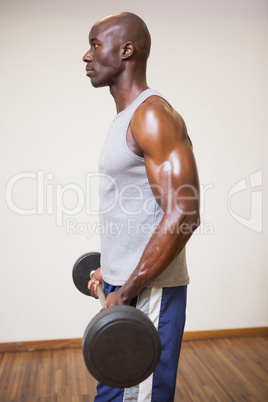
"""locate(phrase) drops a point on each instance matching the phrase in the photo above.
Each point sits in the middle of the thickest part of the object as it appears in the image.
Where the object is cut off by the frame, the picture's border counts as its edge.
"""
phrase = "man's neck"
(125, 93)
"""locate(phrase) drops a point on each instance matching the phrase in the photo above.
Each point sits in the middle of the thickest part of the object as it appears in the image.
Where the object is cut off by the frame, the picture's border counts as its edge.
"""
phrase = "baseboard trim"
(77, 342)
(30, 346)
(224, 333)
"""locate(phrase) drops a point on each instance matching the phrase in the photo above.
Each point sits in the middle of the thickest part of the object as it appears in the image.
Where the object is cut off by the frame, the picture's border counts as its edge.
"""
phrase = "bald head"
(130, 28)
(119, 49)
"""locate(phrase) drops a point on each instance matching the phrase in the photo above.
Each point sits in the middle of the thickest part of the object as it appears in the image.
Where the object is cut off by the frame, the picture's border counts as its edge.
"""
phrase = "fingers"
(97, 275)
(94, 282)
(92, 286)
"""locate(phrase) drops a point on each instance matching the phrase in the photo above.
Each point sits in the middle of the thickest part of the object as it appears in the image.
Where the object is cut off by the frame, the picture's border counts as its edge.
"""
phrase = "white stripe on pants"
(149, 302)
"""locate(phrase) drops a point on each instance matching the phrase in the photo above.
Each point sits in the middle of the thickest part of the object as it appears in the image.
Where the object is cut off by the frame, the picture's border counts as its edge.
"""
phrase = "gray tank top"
(129, 213)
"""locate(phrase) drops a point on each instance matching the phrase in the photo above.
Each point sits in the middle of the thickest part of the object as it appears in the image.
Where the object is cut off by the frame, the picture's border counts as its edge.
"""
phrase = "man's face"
(104, 63)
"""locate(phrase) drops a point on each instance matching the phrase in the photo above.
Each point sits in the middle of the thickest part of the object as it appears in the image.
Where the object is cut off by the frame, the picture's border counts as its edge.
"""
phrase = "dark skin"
(158, 134)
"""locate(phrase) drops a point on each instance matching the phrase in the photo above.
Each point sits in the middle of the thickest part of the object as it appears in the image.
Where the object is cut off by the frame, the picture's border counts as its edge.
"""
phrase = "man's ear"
(127, 50)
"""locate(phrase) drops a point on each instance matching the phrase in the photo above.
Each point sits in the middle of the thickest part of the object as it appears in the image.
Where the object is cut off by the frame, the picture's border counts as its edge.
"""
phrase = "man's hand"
(94, 282)
(115, 299)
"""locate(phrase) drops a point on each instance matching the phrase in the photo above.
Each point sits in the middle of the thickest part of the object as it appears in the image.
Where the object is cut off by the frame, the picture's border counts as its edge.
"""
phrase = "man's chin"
(94, 84)
(97, 84)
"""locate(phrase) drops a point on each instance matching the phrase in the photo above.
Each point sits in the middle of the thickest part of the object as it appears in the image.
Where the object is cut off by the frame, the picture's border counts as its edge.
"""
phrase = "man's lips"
(89, 70)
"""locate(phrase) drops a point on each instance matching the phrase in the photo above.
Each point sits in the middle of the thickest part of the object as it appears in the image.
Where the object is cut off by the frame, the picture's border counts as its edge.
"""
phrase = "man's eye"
(95, 45)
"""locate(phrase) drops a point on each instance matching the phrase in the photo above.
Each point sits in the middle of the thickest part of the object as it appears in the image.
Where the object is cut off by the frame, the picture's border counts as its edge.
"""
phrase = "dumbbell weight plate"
(82, 268)
(121, 346)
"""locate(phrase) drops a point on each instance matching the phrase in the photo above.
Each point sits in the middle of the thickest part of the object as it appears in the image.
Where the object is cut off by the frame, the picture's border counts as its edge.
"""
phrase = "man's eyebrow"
(93, 39)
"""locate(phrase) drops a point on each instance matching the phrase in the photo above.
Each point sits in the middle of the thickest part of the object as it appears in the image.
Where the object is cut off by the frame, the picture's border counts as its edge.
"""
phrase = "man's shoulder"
(156, 111)
(155, 104)
(155, 123)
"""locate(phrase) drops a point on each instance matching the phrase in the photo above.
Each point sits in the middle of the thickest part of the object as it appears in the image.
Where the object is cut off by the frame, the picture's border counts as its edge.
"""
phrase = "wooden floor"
(228, 369)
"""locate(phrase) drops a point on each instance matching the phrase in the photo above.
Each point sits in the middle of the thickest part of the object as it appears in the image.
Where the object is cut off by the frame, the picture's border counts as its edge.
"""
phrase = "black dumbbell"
(121, 346)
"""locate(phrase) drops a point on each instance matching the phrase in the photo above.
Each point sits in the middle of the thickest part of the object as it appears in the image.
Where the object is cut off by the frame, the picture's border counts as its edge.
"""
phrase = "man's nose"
(87, 57)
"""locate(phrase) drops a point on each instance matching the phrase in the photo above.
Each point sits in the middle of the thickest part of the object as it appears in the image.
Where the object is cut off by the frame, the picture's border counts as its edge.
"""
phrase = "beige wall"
(209, 58)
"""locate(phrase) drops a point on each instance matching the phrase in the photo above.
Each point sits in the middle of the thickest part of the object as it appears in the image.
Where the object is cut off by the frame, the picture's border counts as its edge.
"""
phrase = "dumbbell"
(121, 346)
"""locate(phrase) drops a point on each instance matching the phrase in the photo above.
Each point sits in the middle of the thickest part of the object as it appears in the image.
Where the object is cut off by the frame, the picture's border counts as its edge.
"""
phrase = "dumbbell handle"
(100, 291)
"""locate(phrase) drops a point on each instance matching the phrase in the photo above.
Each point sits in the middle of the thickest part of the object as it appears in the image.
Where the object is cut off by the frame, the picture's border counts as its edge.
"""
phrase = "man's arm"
(159, 131)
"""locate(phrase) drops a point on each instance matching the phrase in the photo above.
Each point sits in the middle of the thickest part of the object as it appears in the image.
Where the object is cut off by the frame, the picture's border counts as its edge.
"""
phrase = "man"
(149, 197)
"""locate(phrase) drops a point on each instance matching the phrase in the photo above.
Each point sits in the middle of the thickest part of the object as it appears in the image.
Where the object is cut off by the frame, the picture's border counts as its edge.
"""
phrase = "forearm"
(165, 244)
